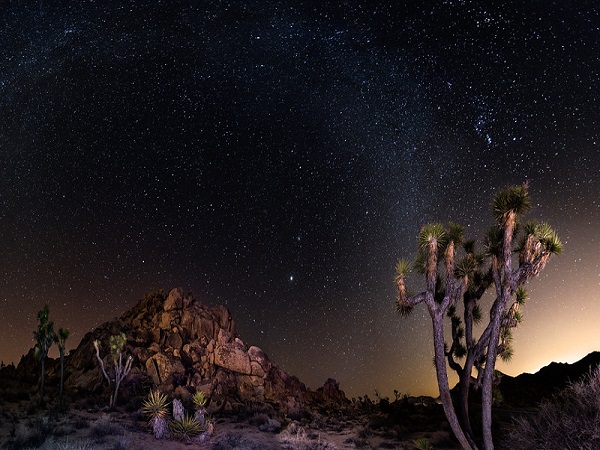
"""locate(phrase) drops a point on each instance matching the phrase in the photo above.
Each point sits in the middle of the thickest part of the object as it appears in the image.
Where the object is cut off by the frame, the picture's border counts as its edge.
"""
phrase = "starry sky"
(278, 157)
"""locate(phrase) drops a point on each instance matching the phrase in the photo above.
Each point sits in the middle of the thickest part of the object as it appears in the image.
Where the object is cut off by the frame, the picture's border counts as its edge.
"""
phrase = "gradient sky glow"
(279, 157)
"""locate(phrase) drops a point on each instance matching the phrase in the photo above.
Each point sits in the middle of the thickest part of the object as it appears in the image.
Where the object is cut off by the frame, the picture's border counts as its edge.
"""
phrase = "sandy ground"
(85, 430)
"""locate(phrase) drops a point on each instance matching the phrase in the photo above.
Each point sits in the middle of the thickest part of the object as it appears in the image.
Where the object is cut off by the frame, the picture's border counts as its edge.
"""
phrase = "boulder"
(165, 370)
(180, 345)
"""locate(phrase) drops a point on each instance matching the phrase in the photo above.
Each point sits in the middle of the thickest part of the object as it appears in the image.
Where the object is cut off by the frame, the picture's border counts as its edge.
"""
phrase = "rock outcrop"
(181, 345)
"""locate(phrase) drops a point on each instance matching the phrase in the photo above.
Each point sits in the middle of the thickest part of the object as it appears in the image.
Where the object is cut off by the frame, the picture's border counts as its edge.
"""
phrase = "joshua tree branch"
(101, 362)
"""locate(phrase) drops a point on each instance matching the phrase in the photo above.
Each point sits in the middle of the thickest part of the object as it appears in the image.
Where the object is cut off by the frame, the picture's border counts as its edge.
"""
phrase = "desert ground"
(24, 425)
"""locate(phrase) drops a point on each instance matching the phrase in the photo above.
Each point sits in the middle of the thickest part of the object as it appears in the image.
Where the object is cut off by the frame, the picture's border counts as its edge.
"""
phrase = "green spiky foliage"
(493, 241)
(512, 199)
(186, 429)
(155, 408)
(402, 268)
(199, 399)
(521, 295)
(469, 246)
(44, 337)
(455, 233)
(454, 270)
(466, 267)
(429, 232)
(116, 343)
(506, 351)
(548, 239)
(423, 444)
(156, 405)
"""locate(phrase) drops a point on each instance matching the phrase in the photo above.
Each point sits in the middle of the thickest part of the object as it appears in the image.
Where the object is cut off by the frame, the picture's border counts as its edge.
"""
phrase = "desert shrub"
(271, 426)
(64, 430)
(122, 443)
(103, 427)
(237, 441)
(295, 437)
(569, 421)
(81, 423)
(51, 444)
(258, 419)
(357, 442)
(423, 444)
(30, 435)
(186, 428)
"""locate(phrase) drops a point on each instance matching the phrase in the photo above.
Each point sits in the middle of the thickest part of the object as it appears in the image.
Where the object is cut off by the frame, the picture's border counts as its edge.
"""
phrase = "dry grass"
(570, 421)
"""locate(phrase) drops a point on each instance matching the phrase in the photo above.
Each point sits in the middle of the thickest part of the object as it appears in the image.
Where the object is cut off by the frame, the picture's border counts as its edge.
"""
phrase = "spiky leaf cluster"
(402, 268)
(199, 399)
(493, 241)
(466, 267)
(514, 198)
(116, 343)
(45, 335)
(455, 233)
(155, 405)
(186, 428)
(548, 238)
(521, 295)
(431, 231)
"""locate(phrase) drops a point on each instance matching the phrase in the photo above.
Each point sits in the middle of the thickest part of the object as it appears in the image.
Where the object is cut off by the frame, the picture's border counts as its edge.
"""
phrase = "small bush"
(295, 437)
(30, 435)
(423, 444)
(103, 427)
(235, 441)
(50, 444)
(569, 421)
(186, 428)
(258, 419)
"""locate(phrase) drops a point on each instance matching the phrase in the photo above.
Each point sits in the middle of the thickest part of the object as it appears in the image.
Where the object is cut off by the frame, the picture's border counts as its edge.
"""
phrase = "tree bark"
(442, 377)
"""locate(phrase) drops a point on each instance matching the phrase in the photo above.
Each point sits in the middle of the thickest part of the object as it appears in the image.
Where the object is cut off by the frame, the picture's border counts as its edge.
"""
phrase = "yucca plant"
(186, 429)
(200, 401)
(423, 444)
(209, 422)
(155, 408)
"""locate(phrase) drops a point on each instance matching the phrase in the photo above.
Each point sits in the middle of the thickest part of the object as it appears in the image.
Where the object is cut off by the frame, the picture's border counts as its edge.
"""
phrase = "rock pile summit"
(180, 345)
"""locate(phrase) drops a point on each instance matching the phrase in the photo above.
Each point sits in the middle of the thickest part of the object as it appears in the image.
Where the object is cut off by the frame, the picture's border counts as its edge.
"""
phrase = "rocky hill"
(181, 345)
(529, 389)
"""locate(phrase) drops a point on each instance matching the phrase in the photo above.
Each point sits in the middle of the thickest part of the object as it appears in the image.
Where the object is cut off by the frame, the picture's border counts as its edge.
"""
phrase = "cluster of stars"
(278, 159)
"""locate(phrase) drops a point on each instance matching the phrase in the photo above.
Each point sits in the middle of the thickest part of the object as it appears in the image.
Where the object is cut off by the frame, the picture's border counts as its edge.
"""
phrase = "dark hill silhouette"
(529, 389)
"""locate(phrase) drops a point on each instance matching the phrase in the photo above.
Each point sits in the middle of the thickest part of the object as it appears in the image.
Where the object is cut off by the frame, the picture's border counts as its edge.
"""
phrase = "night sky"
(279, 157)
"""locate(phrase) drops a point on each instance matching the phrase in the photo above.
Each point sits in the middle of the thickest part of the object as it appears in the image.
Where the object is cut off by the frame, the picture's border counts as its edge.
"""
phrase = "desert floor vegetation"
(569, 420)
(87, 424)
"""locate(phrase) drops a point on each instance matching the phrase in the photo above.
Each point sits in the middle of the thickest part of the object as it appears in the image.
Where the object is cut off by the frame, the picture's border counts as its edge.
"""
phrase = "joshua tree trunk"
(464, 386)
(43, 361)
(62, 375)
(442, 377)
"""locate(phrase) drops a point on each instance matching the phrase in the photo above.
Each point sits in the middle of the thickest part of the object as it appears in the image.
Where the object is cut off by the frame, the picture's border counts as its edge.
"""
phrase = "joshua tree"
(44, 337)
(61, 340)
(121, 370)
(449, 281)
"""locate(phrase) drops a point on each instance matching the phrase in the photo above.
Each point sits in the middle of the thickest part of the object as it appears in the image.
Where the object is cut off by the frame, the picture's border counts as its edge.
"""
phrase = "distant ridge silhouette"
(529, 389)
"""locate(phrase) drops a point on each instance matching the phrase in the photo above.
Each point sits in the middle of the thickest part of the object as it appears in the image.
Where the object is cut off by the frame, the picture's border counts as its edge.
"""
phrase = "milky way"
(279, 157)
